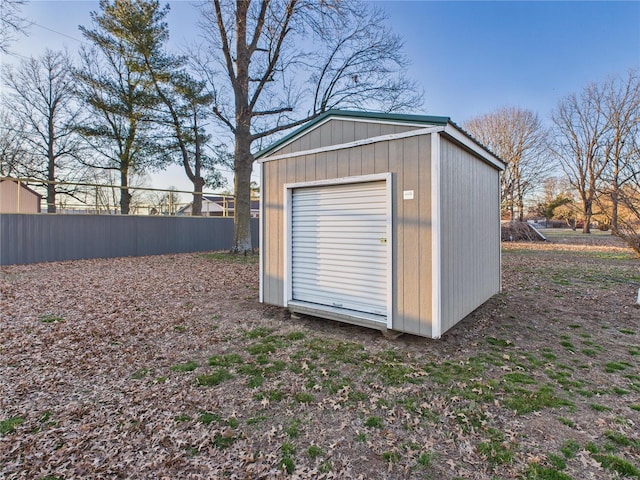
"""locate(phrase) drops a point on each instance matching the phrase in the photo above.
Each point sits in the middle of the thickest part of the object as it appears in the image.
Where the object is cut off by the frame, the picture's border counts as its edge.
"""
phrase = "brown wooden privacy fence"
(26, 238)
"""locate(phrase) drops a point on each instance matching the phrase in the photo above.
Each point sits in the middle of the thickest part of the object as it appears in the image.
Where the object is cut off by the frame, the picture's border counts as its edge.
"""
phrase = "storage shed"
(383, 220)
(16, 197)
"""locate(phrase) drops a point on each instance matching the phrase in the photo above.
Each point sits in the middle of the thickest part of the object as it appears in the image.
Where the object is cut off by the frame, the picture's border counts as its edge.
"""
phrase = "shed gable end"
(336, 131)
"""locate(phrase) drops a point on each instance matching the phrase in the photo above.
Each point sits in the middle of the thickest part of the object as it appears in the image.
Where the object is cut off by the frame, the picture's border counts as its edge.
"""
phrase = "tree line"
(129, 104)
(585, 165)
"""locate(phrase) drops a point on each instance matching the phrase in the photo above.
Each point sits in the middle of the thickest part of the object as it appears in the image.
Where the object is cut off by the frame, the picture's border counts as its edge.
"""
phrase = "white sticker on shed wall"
(339, 246)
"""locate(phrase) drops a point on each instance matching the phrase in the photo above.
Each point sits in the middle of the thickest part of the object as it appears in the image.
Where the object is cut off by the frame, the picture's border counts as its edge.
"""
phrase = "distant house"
(220, 206)
(16, 197)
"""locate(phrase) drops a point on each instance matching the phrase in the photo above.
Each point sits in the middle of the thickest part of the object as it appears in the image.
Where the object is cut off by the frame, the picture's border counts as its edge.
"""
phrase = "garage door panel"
(339, 249)
(340, 279)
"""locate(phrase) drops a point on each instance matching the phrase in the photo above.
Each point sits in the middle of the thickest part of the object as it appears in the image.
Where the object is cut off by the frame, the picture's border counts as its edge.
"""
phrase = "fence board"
(26, 238)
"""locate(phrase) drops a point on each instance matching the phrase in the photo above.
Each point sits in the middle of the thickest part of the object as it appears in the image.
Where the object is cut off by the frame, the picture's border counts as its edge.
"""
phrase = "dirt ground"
(169, 367)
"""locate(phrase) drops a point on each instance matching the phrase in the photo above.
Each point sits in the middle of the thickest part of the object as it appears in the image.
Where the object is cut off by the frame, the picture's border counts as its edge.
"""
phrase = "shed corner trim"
(436, 292)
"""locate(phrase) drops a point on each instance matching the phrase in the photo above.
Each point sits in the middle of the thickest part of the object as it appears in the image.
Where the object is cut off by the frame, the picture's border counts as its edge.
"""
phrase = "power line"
(57, 32)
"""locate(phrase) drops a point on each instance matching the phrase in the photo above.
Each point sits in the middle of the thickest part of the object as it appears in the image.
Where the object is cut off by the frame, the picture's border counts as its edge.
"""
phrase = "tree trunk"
(587, 213)
(51, 172)
(615, 198)
(198, 186)
(125, 196)
(242, 189)
(51, 196)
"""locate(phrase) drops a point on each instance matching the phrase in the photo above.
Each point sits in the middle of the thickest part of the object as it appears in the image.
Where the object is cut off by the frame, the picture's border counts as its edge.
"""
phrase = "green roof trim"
(426, 120)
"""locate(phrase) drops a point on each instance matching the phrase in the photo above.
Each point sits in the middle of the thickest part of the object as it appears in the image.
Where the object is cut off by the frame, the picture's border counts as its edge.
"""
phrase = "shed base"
(377, 322)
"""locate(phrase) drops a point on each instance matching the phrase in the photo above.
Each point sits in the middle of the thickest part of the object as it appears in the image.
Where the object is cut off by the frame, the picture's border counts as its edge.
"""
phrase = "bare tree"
(42, 97)
(581, 125)
(621, 104)
(12, 151)
(517, 137)
(285, 62)
(12, 23)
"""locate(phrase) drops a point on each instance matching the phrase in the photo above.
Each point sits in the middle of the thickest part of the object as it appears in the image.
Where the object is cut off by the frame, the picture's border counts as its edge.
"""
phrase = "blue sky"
(469, 57)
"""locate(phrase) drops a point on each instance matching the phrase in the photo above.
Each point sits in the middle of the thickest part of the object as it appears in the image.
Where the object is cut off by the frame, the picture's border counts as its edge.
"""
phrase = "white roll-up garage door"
(339, 246)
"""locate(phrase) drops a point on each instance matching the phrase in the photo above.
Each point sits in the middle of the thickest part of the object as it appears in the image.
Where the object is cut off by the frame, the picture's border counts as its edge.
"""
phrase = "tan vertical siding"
(29, 201)
(411, 238)
(368, 159)
(355, 161)
(271, 249)
(470, 229)
(381, 157)
(335, 132)
(396, 152)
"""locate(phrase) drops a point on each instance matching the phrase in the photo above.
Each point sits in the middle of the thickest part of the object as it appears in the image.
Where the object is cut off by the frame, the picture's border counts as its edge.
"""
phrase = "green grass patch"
(621, 440)
(225, 360)
(295, 336)
(499, 342)
(373, 422)
(570, 448)
(541, 472)
(557, 461)
(599, 408)
(9, 425)
(525, 401)
(266, 345)
(391, 457)
(611, 367)
(256, 420)
(288, 452)
(51, 319)
(568, 346)
(223, 441)
(207, 418)
(336, 351)
(304, 397)
(617, 464)
(259, 332)
(293, 429)
(182, 418)
(314, 451)
(189, 366)
(215, 378)
(425, 459)
(567, 422)
(495, 449)
(627, 331)
(518, 377)
(590, 352)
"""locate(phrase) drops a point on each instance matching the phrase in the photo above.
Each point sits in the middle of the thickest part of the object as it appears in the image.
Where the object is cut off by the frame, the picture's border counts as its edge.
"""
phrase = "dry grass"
(168, 367)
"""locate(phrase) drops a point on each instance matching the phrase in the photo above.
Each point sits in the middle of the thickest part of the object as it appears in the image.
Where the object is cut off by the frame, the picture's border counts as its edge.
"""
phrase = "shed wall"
(335, 132)
(470, 232)
(409, 160)
(29, 202)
